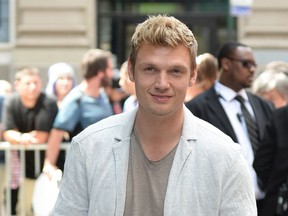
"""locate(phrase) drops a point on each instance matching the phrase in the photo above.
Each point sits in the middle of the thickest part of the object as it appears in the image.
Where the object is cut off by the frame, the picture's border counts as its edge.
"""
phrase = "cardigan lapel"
(121, 155)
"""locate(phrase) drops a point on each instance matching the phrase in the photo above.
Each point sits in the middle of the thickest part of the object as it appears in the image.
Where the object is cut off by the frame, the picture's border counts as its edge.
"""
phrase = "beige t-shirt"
(146, 182)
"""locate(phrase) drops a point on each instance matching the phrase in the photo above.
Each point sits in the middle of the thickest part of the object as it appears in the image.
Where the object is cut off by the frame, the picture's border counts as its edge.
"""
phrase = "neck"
(158, 135)
(28, 103)
(91, 87)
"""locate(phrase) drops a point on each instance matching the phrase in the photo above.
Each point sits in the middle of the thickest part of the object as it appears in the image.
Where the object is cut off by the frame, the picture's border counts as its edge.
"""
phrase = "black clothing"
(40, 118)
(271, 159)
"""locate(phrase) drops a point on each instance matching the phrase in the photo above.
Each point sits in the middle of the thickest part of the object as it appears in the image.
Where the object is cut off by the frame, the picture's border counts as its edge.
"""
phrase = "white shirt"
(234, 113)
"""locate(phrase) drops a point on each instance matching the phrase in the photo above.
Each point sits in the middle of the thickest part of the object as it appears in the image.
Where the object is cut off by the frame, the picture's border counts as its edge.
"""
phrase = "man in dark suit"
(219, 106)
(271, 161)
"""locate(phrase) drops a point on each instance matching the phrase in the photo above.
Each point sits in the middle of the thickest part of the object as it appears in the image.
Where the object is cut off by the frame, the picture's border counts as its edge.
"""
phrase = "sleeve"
(8, 114)
(73, 197)
(68, 116)
(238, 197)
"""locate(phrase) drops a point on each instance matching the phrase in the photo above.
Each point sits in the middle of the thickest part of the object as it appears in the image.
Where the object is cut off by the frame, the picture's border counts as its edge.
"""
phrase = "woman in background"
(61, 81)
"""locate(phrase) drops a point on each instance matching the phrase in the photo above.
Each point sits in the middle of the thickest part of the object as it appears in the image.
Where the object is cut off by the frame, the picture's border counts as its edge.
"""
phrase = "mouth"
(161, 98)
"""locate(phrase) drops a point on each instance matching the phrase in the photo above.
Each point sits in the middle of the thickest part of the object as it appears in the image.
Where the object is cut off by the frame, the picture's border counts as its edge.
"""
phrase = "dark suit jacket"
(208, 107)
(271, 159)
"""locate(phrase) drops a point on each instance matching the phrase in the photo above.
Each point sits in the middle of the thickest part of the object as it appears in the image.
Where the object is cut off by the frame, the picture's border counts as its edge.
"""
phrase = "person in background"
(5, 90)
(231, 108)
(280, 66)
(271, 161)
(273, 86)
(157, 159)
(6, 87)
(128, 87)
(86, 104)
(61, 80)
(115, 93)
(28, 116)
(207, 73)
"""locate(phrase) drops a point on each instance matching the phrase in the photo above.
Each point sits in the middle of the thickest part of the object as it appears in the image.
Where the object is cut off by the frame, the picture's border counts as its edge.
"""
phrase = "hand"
(26, 139)
(50, 170)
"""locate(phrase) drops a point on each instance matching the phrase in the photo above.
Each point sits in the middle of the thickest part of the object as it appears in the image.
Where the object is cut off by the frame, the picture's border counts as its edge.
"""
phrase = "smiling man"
(157, 159)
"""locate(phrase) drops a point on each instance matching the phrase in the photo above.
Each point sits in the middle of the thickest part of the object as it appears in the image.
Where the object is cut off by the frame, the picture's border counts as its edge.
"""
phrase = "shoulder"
(202, 98)
(47, 101)
(280, 116)
(74, 95)
(255, 99)
(206, 136)
(115, 127)
(214, 137)
(12, 100)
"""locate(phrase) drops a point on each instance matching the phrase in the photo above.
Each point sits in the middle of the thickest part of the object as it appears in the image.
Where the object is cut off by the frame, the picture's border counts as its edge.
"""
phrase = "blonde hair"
(164, 31)
(26, 71)
(207, 67)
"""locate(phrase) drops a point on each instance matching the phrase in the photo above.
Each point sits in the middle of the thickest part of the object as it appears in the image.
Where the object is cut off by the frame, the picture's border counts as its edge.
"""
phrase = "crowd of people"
(195, 135)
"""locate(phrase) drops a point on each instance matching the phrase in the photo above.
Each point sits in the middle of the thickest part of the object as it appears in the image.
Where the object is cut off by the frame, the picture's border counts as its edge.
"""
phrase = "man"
(207, 73)
(28, 116)
(219, 105)
(157, 159)
(271, 162)
(84, 105)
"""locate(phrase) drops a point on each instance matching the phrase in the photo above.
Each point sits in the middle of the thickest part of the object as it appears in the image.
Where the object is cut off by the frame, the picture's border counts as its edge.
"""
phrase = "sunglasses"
(245, 63)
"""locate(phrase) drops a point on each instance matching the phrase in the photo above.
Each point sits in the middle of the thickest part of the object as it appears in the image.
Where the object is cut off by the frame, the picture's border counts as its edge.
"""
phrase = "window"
(4, 21)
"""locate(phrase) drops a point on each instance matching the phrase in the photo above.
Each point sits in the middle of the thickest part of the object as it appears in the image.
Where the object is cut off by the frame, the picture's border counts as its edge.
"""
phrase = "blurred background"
(40, 33)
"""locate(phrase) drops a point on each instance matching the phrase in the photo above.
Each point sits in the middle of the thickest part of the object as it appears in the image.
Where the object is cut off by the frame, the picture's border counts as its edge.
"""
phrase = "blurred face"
(29, 87)
(63, 85)
(108, 74)
(240, 69)
(275, 97)
(162, 76)
(126, 84)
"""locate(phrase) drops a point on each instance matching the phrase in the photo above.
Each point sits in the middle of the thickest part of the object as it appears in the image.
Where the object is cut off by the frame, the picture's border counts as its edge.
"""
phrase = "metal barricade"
(7, 148)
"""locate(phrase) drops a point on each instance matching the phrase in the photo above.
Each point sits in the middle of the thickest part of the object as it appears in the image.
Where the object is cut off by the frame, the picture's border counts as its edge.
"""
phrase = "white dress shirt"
(234, 113)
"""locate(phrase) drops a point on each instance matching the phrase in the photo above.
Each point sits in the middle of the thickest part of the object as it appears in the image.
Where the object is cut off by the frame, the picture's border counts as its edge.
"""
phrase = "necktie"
(250, 124)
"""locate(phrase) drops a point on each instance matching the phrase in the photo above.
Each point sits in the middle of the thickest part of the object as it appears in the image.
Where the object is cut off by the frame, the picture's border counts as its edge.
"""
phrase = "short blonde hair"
(33, 71)
(164, 31)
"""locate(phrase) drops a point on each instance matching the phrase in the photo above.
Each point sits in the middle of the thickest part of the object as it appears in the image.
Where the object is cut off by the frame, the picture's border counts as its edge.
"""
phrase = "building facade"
(40, 33)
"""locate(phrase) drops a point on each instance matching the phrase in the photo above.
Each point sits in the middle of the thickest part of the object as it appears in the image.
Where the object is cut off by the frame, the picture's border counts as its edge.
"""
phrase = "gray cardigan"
(209, 175)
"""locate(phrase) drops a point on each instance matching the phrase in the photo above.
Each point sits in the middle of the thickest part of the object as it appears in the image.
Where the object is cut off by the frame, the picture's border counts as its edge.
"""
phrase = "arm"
(73, 197)
(238, 194)
(53, 148)
(33, 137)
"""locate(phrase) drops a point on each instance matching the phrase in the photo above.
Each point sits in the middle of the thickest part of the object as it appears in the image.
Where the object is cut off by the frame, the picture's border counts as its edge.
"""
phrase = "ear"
(193, 77)
(131, 71)
(225, 63)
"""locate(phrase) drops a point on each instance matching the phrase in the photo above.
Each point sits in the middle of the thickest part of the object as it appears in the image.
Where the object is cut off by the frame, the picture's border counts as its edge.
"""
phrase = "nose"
(32, 86)
(162, 81)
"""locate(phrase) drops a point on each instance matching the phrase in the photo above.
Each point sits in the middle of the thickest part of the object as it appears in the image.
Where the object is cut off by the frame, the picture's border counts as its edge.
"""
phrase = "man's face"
(241, 68)
(29, 87)
(108, 74)
(162, 76)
